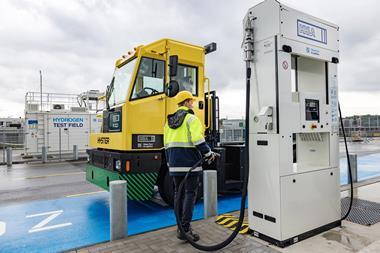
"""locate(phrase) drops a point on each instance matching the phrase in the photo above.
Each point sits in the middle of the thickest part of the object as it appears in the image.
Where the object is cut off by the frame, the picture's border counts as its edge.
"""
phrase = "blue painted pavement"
(368, 167)
(81, 221)
(67, 223)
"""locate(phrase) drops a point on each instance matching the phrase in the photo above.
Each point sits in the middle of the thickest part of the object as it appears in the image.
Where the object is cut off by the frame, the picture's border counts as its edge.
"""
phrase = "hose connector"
(248, 37)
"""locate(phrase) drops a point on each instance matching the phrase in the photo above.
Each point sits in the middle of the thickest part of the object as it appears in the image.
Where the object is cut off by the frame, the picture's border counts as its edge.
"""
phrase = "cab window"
(187, 78)
(150, 78)
(122, 76)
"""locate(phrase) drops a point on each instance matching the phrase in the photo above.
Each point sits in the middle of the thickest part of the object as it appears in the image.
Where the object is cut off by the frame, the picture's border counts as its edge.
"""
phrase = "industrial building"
(362, 125)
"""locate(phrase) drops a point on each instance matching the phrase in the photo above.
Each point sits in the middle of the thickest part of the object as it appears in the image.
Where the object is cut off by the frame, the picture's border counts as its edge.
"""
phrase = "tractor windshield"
(120, 83)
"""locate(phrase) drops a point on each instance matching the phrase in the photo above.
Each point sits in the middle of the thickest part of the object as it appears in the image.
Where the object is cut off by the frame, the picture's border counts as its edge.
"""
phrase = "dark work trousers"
(189, 197)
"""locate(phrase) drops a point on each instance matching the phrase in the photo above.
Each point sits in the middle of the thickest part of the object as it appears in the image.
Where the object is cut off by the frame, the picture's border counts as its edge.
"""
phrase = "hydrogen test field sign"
(74, 131)
(58, 131)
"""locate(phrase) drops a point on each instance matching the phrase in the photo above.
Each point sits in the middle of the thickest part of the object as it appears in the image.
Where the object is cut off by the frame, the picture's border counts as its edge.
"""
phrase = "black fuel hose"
(229, 239)
(189, 239)
(348, 164)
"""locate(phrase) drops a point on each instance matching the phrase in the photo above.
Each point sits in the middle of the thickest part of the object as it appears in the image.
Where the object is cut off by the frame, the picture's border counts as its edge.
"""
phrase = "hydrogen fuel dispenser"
(293, 189)
(291, 171)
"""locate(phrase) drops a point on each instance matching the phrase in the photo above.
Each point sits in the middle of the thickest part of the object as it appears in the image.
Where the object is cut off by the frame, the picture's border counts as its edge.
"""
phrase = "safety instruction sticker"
(334, 105)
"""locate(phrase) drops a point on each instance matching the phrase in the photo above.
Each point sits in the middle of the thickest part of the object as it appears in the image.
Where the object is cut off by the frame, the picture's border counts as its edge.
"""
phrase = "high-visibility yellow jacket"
(184, 141)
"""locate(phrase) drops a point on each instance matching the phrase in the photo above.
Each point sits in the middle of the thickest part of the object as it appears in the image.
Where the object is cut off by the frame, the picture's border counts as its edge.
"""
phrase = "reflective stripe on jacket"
(184, 141)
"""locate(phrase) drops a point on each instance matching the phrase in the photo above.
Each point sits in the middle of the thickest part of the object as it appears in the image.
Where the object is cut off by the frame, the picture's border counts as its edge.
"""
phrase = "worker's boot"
(194, 237)
(180, 235)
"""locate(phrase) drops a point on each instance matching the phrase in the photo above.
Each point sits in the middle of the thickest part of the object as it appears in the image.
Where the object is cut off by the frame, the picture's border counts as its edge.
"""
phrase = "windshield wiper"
(109, 92)
(154, 72)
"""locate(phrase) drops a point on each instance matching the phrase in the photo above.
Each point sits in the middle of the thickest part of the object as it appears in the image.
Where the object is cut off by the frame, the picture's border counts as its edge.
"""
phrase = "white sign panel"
(312, 32)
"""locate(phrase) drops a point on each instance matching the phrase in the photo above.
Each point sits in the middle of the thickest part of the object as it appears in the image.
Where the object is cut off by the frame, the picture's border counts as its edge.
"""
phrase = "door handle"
(200, 105)
(161, 98)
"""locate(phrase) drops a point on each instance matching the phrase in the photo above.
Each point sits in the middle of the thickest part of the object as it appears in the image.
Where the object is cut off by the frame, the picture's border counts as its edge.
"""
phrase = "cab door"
(190, 78)
(145, 112)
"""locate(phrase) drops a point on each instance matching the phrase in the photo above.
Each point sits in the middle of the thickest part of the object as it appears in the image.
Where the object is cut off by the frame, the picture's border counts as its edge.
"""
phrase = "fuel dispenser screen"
(312, 109)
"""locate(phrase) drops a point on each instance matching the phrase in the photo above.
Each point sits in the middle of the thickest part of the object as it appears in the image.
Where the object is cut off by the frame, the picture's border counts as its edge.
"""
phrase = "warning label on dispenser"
(334, 105)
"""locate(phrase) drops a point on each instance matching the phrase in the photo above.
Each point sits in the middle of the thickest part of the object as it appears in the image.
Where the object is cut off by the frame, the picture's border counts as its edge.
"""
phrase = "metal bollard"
(4, 154)
(118, 210)
(210, 193)
(354, 167)
(9, 156)
(75, 152)
(44, 154)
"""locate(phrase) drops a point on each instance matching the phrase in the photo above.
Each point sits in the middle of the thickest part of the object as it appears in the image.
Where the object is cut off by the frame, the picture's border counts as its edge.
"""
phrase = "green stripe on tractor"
(140, 186)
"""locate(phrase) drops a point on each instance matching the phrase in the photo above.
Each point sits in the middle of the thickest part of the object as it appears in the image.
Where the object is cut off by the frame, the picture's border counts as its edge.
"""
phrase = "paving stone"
(165, 240)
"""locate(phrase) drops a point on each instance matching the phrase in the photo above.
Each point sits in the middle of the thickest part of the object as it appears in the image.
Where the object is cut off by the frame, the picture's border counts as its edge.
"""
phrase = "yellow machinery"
(138, 101)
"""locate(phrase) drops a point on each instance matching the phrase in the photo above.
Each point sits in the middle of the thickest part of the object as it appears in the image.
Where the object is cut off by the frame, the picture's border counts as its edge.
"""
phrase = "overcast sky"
(76, 43)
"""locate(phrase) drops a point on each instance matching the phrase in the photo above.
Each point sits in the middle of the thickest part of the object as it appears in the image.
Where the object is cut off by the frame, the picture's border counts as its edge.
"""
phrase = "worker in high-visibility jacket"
(185, 145)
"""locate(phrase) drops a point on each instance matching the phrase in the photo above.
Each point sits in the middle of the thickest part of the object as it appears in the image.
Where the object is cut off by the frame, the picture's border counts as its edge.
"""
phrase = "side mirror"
(172, 89)
(173, 64)
(209, 48)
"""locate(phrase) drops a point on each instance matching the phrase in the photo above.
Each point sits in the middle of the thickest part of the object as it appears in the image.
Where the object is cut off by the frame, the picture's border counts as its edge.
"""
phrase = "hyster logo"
(103, 140)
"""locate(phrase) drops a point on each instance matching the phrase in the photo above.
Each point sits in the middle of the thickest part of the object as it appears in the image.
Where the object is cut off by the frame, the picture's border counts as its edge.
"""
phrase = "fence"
(12, 137)
(356, 127)
(362, 126)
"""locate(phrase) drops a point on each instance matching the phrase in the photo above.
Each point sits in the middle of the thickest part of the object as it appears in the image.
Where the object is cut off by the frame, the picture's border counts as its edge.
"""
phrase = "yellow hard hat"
(183, 95)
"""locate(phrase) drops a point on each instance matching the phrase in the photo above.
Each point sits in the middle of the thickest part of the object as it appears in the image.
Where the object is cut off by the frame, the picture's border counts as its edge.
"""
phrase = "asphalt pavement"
(29, 182)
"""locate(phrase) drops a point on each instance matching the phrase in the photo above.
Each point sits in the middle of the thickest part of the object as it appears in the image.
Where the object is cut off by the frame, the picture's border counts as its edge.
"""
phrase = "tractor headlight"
(118, 165)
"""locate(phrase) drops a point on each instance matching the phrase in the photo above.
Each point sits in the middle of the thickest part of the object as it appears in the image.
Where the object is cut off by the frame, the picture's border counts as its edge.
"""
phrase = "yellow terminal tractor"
(138, 100)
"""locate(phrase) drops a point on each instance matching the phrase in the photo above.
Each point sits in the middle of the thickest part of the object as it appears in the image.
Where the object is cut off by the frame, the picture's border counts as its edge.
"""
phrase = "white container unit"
(59, 131)
(60, 121)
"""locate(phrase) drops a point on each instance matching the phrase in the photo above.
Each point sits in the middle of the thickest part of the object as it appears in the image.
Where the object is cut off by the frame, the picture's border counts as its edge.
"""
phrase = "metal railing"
(236, 135)
(12, 137)
(36, 101)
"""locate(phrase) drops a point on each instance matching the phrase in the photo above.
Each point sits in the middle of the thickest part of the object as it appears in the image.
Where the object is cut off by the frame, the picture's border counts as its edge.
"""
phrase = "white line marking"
(46, 213)
(41, 226)
(51, 175)
(49, 227)
(55, 163)
(3, 227)
(82, 194)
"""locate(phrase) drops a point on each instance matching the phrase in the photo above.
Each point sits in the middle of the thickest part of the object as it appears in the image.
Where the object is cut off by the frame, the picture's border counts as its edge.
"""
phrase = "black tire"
(166, 188)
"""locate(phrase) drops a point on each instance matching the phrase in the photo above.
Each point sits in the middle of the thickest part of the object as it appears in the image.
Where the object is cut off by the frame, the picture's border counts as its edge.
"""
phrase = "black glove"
(211, 156)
